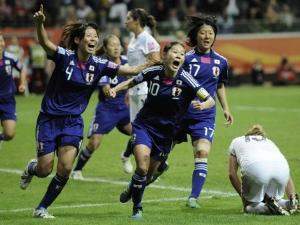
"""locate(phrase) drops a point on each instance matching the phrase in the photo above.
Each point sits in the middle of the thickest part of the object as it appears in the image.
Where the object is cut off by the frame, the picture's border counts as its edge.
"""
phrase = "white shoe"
(26, 177)
(127, 166)
(77, 175)
(42, 213)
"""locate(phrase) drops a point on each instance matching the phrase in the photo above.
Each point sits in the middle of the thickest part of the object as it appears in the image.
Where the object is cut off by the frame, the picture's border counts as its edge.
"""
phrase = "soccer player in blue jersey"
(211, 70)
(171, 90)
(110, 112)
(7, 91)
(59, 125)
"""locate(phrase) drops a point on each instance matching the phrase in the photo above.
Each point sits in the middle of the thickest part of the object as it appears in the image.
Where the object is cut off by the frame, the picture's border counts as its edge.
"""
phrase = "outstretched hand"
(39, 16)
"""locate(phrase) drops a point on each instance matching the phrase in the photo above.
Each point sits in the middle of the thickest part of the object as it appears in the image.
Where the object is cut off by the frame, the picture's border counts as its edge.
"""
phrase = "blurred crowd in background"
(234, 16)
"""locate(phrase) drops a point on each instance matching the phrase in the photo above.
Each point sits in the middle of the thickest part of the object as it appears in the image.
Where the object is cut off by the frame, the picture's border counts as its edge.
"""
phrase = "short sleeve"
(151, 46)
(17, 64)
(111, 69)
(103, 81)
(60, 54)
(147, 74)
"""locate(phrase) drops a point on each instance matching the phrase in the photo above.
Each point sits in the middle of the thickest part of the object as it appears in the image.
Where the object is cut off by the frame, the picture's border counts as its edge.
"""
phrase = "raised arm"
(39, 19)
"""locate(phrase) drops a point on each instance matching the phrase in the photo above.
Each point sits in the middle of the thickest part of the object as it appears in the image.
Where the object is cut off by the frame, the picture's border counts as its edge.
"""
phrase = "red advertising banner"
(243, 50)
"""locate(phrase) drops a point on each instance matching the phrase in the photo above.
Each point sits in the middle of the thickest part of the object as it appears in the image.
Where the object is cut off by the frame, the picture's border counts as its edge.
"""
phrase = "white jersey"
(252, 149)
(138, 49)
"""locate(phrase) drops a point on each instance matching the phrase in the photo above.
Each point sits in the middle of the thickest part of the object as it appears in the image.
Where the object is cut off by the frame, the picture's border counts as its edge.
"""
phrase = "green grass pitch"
(96, 201)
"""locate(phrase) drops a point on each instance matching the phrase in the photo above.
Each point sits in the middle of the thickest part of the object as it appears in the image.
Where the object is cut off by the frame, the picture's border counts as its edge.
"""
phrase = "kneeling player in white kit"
(265, 174)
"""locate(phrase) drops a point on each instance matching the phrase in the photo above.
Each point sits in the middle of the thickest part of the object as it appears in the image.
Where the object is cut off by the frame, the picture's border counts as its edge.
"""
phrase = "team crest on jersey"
(176, 91)
(216, 71)
(89, 78)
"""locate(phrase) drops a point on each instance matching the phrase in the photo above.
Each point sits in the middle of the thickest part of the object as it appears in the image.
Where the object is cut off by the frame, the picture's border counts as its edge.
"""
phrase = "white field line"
(123, 183)
(95, 205)
(265, 109)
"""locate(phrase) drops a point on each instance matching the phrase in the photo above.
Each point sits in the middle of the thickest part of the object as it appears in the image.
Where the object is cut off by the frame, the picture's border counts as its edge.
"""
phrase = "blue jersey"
(167, 100)
(210, 70)
(73, 82)
(7, 84)
(119, 101)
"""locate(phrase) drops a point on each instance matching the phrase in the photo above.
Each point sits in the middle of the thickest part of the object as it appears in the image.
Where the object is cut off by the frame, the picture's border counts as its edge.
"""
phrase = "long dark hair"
(73, 30)
(145, 19)
(195, 22)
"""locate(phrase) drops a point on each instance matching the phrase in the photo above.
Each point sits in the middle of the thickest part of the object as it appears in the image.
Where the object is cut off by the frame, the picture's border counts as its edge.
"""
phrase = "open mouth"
(175, 64)
(91, 46)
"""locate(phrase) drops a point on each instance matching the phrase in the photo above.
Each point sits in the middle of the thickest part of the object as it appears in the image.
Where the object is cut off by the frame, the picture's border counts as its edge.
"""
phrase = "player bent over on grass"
(265, 174)
(7, 91)
(171, 90)
(110, 112)
(59, 125)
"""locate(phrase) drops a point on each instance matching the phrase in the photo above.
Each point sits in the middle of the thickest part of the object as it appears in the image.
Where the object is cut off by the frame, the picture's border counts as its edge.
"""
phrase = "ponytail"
(256, 129)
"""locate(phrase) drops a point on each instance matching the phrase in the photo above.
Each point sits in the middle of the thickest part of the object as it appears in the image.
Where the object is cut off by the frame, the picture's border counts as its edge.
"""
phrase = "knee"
(142, 170)
(93, 144)
(9, 135)
(201, 154)
(64, 170)
(44, 170)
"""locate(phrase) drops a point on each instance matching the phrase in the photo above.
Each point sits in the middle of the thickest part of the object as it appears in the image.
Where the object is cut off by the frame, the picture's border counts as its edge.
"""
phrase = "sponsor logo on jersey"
(194, 60)
(156, 78)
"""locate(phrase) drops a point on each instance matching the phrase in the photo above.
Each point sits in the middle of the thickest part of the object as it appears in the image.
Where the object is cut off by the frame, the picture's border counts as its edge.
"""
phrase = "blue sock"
(199, 177)
(129, 148)
(83, 157)
(1, 137)
(138, 184)
(55, 187)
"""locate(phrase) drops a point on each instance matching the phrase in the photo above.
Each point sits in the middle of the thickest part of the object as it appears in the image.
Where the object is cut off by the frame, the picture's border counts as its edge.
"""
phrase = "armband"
(203, 94)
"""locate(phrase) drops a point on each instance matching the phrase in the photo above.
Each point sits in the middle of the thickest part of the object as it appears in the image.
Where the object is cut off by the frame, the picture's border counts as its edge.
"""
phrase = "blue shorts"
(8, 108)
(106, 119)
(57, 131)
(197, 129)
(160, 145)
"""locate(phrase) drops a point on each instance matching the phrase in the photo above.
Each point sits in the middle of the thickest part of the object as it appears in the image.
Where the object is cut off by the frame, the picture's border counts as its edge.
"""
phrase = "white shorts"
(262, 178)
(136, 102)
